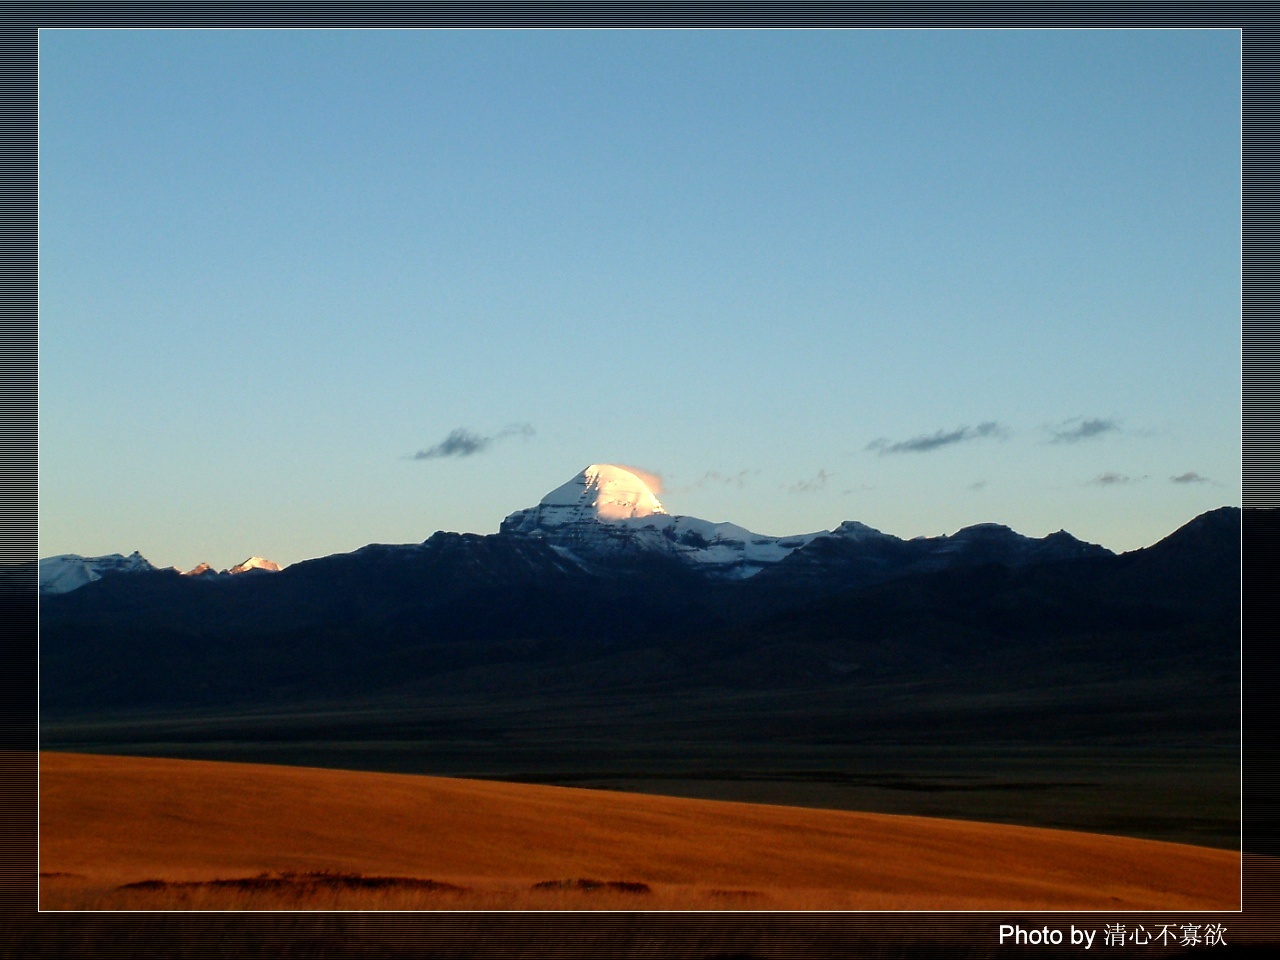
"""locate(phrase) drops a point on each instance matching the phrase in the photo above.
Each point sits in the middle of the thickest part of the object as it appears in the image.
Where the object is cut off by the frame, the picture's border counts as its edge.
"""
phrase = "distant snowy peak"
(70, 571)
(607, 510)
(256, 563)
(252, 565)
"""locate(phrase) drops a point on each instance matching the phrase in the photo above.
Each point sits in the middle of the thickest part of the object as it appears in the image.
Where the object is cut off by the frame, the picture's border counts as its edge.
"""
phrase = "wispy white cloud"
(716, 478)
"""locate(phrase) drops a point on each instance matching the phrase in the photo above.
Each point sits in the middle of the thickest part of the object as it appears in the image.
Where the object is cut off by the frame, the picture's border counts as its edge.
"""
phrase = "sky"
(301, 291)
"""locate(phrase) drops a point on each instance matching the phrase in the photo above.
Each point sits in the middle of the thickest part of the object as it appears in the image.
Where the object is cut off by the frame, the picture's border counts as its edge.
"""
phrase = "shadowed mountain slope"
(384, 618)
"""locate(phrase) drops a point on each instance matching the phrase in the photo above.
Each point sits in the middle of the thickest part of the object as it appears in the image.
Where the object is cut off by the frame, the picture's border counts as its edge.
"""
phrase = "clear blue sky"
(917, 279)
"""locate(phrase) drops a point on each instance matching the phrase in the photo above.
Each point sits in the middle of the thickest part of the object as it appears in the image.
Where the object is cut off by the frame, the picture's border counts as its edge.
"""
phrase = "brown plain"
(278, 837)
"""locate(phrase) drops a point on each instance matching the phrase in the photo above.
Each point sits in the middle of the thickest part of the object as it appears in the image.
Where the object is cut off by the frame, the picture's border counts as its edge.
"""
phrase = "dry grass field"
(126, 833)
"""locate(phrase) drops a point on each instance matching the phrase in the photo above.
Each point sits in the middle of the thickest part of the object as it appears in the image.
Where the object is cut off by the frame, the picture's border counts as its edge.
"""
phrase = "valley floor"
(148, 833)
(1063, 758)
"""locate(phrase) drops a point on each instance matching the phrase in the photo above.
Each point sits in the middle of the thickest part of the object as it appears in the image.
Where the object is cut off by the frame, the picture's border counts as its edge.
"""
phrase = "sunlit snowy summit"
(608, 510)
(252, 565)
(256, 563)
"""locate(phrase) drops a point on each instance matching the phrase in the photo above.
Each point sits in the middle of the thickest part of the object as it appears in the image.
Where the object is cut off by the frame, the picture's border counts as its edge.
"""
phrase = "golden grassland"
(132, 833)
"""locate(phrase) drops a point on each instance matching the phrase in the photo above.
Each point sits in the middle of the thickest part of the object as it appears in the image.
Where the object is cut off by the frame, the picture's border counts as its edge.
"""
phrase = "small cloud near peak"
(463, 443)
(459, 443)
(940, 438)
(515, 430)
(1113, 479)
(1079, 428)
(717, 478)
(811, 485)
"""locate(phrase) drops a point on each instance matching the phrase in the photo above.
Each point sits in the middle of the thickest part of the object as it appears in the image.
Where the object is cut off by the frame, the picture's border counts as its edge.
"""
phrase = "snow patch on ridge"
(70, 571)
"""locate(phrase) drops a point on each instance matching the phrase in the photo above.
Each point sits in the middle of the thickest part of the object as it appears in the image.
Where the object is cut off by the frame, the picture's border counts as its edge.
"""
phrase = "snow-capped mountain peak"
(602, 491)
(71, 571)
(252, 565)
(608, 510)
(255, 563)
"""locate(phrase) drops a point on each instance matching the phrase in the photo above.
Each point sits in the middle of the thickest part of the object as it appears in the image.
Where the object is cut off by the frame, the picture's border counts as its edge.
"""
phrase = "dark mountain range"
(852, 603)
